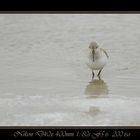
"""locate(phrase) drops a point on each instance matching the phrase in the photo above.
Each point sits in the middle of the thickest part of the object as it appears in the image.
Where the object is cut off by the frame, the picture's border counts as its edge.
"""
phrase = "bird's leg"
(99, 77)
(92, 75)
(99, 73)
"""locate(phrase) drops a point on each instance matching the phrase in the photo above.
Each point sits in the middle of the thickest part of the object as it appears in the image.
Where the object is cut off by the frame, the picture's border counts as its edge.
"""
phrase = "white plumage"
(97, 58)
(100, 59)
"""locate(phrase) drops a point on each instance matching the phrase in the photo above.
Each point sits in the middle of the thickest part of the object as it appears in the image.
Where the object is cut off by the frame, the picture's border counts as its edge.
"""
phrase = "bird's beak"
(93, 52)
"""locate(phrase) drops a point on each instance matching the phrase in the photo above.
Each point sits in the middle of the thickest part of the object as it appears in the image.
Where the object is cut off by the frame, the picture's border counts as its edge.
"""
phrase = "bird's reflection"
(96, 89)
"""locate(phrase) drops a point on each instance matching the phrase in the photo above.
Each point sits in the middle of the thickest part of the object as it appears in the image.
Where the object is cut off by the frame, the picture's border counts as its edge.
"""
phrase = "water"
(44, 79)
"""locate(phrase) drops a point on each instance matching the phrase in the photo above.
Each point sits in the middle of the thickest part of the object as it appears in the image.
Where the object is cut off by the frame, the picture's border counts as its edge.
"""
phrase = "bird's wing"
(105, 52)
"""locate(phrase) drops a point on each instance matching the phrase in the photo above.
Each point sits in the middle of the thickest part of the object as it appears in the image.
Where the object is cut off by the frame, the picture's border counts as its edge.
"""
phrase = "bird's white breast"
(100, 60)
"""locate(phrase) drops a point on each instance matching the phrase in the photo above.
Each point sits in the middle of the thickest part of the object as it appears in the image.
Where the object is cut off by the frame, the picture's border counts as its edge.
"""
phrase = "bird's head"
(93, 45)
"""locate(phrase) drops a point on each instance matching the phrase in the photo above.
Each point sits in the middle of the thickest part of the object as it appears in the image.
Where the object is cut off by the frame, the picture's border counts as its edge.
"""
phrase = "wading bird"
(97, 58)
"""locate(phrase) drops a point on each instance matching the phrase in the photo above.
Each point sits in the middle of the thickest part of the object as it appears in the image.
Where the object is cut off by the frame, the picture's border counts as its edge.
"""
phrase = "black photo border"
(65, 132)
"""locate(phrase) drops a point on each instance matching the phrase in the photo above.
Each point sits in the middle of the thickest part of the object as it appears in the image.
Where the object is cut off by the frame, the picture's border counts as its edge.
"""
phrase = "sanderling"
(97, 58)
